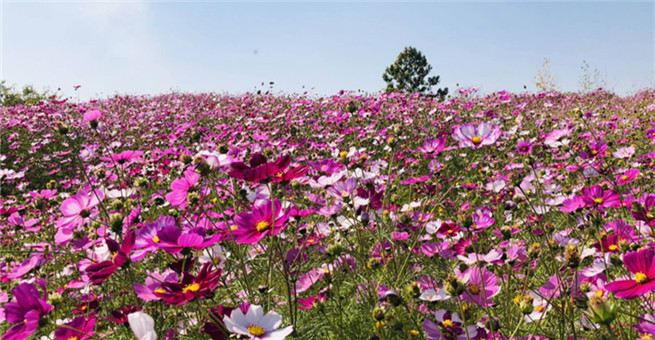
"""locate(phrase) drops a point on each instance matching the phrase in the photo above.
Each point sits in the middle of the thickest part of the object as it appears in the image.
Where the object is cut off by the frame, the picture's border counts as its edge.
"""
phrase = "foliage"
(27, 96)
(409, 73)
(591, 79)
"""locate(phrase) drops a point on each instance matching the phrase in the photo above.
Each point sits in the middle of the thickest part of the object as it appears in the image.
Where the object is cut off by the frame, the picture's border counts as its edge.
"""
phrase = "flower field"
(389, 216)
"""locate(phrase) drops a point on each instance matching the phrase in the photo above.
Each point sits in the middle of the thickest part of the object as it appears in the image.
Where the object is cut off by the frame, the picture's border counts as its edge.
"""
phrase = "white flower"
(256, 325)
(142, 325)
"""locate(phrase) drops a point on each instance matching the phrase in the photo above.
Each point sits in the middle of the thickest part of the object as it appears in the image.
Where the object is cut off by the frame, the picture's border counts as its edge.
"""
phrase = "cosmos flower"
(642, 265)
(255, 325)
(596, 197)
(77, 211)
(92, 115)
(471, 136)
(99, 272)
(25, 311)
(142, 325)
(253, 226)
(260, 169)
(473, 278)
(181, 188)
(448, 326)
(523, 147)
(191, 287)
(81, 328)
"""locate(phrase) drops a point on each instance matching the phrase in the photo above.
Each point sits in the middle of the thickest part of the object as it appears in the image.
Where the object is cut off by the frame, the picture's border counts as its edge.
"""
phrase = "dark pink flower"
(596, 197)
(25, 311)
(81, 328)
(265, 219)
(642, 265)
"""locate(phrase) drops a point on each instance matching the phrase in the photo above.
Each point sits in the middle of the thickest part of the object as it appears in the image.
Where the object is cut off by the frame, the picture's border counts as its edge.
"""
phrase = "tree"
(409, 73)
(544, 80)
(28, 96)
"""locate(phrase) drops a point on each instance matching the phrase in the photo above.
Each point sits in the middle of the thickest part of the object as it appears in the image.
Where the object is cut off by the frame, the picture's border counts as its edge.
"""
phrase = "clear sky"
(157, 46)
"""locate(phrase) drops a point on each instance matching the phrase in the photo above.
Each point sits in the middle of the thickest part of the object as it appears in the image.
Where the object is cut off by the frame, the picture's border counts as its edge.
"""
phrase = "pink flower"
(77, 211)
(627, 177)
(181, 188)
(468, 135)
(642, 265)
(92, 115)
(252, 227)
(474, 293)
(81, 328)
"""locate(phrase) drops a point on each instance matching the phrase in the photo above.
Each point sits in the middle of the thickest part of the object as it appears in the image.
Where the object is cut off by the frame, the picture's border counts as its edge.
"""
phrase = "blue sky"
(153, 46)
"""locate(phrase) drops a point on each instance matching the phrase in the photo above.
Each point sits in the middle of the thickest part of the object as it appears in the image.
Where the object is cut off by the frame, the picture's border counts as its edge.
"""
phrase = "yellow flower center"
(279, 174)
(641, 277)
(613, 247)
(649, 216)
(475, 289)
(160, 291)
(594, 152)
(539, 309)
(194, 287)
(624, 177)
(598, 200)
(343, 154)
(447, 323)
(155, 239)
(344, 193)
(255, 330)
(216, 261)
(72, 338)
(476, 140)
(599, 293)
(261, 226)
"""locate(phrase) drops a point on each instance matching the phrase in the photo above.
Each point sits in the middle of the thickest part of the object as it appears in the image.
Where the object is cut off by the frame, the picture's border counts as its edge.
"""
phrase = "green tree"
(28, 96)
(409, 73)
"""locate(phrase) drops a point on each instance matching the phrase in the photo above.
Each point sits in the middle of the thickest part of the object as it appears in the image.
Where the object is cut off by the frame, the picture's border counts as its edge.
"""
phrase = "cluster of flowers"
(385, 217)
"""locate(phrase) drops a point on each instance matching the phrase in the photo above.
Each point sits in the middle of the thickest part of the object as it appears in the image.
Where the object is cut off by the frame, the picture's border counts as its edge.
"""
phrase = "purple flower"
(448, 326)
(147, 239)
(153, 285)
(343, 189)
(468, 135)
(25, 311)
(432, 146)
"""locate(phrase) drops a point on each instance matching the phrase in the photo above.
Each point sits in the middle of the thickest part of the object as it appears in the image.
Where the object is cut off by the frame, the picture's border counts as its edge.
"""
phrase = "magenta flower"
(81, 328)
(468, 135)
(123, 157)
(627, 177)
(644, 210)
(253, 226)
(181, 188)
(523, 147)
(432, 147)
(153, 285)
(147, 239)
(25, 311)
(473, 277)
(448, 326)
(572, 204)
(642, 265)
(594, 150)
(173, 240)
(596, 197)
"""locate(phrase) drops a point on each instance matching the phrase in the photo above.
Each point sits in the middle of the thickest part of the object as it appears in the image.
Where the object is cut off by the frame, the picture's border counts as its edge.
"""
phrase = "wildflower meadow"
(377, 216)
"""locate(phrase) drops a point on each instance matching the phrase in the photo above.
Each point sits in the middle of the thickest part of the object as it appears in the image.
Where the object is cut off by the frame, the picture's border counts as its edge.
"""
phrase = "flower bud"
(454, 286)
(116, 223)
(601, 311)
